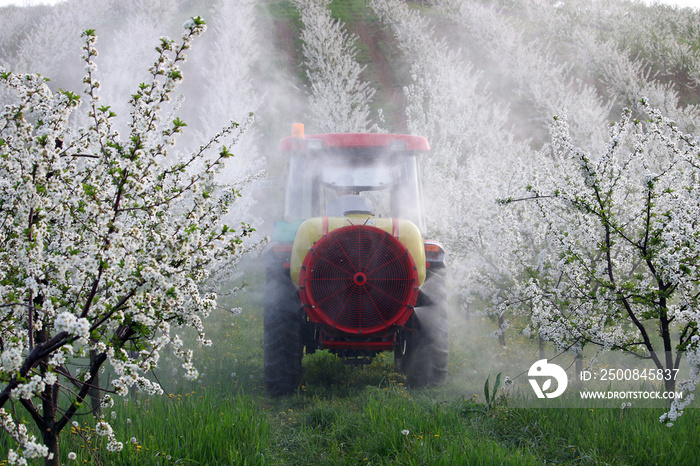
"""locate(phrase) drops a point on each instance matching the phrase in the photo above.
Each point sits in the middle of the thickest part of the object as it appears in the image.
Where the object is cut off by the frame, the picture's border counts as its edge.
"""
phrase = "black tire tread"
(426, 361)
(282, 336)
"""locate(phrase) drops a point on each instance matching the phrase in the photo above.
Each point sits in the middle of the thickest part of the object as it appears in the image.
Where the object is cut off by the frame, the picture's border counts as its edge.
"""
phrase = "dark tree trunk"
(48, 432)
(501, 330)
(464, 304)
(578, 367)
(94, 392)
(51, 441)
(670, 381)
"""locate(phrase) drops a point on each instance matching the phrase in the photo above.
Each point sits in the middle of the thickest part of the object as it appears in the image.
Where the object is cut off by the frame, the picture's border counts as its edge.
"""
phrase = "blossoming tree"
(339, 100)
(619, 270)
(104, 241)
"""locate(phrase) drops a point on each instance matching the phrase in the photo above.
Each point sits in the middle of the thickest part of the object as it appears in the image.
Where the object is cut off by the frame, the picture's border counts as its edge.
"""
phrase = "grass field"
(366, 415)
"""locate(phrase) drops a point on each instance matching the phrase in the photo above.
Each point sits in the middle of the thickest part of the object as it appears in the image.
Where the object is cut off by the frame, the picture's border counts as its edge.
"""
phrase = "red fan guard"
(359, 279)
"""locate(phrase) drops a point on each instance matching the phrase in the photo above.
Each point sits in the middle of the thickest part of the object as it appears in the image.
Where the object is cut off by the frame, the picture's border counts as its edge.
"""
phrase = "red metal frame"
(358, 345)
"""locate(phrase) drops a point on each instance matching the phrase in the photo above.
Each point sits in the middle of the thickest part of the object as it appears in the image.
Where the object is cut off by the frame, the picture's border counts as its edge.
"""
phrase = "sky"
(683, 3)
(28, 2)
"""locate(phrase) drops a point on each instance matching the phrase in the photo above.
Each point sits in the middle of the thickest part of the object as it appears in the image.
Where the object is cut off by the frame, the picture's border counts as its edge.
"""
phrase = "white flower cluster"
(28, 446)
(686, 386)
(103, 429)
(11, 358)
(32, 387)
(59, 357)
(68, 322)
(106, 402)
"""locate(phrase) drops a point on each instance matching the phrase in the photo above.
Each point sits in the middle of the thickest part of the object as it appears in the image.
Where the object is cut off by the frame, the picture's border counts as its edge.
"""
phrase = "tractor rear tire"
(426, 355)
(283, 326)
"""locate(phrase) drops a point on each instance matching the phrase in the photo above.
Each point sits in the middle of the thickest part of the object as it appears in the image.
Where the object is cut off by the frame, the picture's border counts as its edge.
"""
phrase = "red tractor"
(348, 269)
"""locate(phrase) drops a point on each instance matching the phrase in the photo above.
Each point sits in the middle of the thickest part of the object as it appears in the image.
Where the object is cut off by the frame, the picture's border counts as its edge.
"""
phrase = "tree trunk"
(94, 392)
(49, 410)
(541, 347)
(670, 382)
(51, 441)
(501, 330)
(578, 366)
(465, 306)
(48, 432)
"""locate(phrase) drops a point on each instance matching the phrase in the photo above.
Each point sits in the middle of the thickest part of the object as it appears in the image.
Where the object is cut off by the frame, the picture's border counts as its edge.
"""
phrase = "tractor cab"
(335, 174)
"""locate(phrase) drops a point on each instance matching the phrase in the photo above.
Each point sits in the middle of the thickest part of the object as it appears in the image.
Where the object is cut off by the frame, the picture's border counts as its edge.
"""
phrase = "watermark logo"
(542, 368)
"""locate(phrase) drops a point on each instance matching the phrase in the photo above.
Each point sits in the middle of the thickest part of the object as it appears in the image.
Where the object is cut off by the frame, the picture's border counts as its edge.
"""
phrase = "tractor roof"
(356, 140)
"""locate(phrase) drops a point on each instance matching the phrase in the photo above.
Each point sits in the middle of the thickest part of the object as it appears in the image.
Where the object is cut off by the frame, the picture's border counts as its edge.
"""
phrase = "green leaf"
(73, 98)
(224, 153)
(198, 21)
(495, 386)
(486, 391)
(89, 189)
(42, 140)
